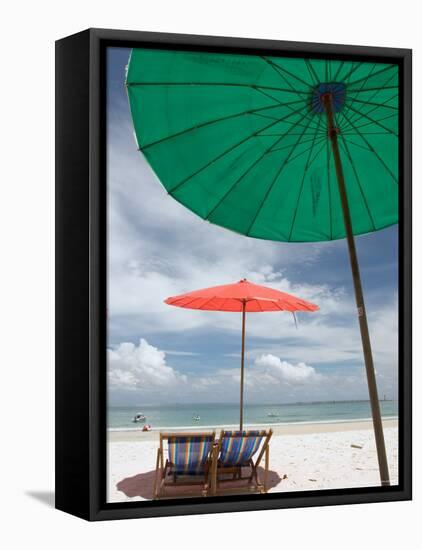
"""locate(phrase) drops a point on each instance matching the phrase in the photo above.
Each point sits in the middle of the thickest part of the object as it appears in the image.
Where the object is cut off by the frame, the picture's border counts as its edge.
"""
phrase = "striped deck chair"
(188, 462)
(236, 450)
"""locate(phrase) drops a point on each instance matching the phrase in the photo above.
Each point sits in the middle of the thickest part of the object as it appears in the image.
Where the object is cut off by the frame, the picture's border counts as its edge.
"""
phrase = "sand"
(302, 457)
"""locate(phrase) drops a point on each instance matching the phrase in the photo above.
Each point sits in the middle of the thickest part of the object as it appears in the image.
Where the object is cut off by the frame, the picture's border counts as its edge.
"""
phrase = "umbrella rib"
(311, 71)
(294, 124)
(239, 179)
(376, 104)
(245, 173)
(318, 152)
(377, 92)
(354, 117)
(188, 303)
(276, 69)
(278, 120)
(268, 117)
(351, 133)
(221, 308)
(364, 82)
(209, 122)
(377, 88)
(219, 156)
(372, 120)
(300, 192)
(338, 71)
(282, 104)
(345, 147)
(357, 115)
(272, 63)
(267, 94)
(375, 153)
(284, 146)
(238, 84)
(208, 301)
(298, 134)
(309, 61)
(274, 181)
(346, 78)
(389, 67)
(303, 142)
(359, 144)
(301, 134)
(349, 125)
(317, 142)
(259, 305)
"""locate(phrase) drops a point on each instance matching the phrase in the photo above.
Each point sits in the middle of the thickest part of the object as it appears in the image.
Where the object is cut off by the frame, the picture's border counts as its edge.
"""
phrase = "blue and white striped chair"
(236, 450)
(188, 462)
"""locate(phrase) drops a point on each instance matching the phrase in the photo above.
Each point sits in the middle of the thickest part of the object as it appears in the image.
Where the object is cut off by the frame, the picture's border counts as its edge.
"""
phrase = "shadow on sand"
(142, 485)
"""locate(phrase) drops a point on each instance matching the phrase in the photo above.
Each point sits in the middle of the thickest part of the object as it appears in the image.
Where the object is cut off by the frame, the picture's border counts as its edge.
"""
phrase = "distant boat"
(196, 417)
(272, 415)
(139, 417)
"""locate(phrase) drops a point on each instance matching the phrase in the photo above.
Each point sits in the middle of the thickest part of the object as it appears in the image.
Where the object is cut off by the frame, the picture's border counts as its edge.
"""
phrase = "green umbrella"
(278, 148)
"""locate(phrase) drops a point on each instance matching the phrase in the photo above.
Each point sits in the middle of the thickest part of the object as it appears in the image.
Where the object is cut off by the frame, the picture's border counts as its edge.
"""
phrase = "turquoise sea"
(217, 415)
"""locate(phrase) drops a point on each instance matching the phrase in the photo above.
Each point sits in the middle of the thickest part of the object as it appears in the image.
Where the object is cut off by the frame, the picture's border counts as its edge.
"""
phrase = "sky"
(158, 248)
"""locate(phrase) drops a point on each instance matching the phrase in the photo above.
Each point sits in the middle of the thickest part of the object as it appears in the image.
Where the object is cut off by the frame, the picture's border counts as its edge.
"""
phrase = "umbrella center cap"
(337, 91)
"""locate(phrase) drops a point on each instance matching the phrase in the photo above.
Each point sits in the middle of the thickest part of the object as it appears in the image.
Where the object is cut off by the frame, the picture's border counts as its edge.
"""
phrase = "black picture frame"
(81, 276)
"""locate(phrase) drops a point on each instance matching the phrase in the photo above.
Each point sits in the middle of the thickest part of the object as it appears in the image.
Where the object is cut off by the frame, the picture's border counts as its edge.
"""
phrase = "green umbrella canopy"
(242, 140)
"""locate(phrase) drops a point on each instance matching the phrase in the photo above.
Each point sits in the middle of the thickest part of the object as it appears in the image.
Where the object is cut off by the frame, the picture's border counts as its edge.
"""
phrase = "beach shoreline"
(292, 428)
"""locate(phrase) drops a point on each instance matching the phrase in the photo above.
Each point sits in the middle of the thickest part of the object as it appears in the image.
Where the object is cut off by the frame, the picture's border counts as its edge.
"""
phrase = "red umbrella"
(245, 297)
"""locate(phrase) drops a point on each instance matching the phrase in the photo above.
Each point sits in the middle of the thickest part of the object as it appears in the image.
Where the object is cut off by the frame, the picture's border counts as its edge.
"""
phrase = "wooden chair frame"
(165, 469)
(254, 483)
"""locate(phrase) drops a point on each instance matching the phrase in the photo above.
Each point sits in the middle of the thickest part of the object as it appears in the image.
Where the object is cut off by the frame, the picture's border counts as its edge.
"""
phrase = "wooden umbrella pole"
(242, 365)
(364, 332)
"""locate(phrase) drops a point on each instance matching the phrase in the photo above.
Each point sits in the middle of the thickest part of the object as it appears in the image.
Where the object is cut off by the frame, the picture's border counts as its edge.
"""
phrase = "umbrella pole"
(242, 364)
(366, 343)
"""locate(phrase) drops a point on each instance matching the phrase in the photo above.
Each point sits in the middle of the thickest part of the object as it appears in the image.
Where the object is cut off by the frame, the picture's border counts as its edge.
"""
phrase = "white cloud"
(142, 367)
(276, 370)
(142, 373)
(181, 353)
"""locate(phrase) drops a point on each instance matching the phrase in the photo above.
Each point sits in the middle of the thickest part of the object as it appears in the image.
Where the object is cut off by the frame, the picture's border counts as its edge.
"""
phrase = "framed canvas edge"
(98, 508)
(72, 300)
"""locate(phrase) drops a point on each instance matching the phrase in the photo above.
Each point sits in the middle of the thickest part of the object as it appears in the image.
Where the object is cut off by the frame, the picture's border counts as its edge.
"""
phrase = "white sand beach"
(302, 457)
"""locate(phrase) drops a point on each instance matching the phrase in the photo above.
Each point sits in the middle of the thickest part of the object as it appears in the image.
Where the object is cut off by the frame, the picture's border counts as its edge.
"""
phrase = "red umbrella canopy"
(241, 296)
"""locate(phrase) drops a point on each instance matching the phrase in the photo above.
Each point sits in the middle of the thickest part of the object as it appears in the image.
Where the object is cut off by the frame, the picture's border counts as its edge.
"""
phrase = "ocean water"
(217, 415)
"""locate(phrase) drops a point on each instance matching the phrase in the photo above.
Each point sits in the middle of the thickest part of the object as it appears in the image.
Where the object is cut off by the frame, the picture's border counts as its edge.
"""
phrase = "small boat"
(196, 417)
(139, 417)
(272, 415)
